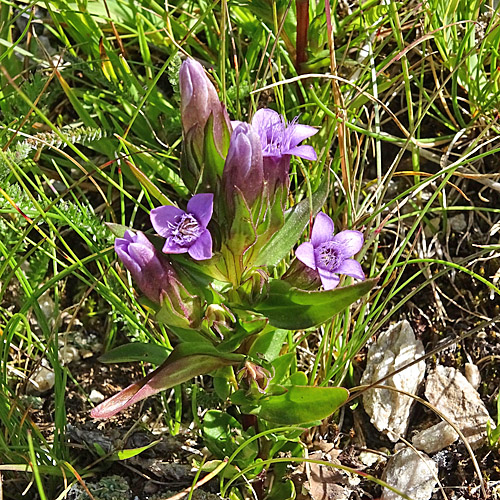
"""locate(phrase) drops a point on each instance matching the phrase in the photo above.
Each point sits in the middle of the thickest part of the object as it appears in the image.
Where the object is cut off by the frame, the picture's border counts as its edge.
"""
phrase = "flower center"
(329, 255)
(186, 231)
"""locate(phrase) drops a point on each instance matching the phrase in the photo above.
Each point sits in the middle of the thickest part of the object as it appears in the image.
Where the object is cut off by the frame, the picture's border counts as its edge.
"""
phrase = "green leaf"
(281, 366)
(149, 186)
(268, 344)
(302, 404)
(117, 229)
(294, 309)
(136, 351)
(132, 452)
(296, 220)
(186, 361)
(282, 491)
(223, 434)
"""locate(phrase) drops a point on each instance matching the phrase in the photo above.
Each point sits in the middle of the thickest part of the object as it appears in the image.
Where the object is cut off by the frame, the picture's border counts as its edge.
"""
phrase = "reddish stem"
(302, 7)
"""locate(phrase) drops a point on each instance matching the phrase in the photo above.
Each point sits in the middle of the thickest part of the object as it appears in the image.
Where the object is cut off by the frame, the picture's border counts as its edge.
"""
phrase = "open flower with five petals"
(280, 141)
(186, 231)
(331, 254)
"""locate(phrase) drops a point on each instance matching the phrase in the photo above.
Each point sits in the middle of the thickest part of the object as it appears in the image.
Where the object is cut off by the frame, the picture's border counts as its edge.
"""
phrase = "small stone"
(47, 305)
(473, 375)
(67, 354)
(452, 395)
(412, 473)
(435, 438)
(458, 223)
(96, 397)
(396, 347)
(42, 380)
(368, 458)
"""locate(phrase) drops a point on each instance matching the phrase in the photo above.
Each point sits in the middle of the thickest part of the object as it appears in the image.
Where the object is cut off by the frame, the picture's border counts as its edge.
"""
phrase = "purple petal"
(322, 229)
(265, 118)
(129, 236)
(201, 249)
(306, 152)
(305, 253)
(201, 206)
(172, 247)
(350, 241)
(141, 253)
(300, 132)
(235, 123)
(143, 240)
(161, 216)
(352, 268)
(129, 263)
(329, 280)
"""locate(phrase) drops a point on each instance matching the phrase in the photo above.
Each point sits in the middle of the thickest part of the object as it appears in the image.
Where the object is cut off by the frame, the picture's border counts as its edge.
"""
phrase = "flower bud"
(255, 377)
(198, 95)
(243, 171)
(301, 276)
(220, 319)
(159, 281)
(147, 267)
(206, 127)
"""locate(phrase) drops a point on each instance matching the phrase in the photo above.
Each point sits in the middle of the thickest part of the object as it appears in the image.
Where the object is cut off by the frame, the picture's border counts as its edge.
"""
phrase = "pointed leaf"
(302, 404)
(294, 309)
(187, 360)
(296, 220)
(136, 351)
(149, 186)
(132, 452)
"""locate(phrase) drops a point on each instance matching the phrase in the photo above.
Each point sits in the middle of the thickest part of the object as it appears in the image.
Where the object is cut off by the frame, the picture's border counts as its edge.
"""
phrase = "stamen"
(329, 255)
(185, 231)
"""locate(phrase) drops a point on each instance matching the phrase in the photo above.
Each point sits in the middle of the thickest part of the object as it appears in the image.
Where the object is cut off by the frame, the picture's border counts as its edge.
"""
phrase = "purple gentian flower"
(279, 139)
(330, 255)
(146, 266)
(279, 142)
(186, 231)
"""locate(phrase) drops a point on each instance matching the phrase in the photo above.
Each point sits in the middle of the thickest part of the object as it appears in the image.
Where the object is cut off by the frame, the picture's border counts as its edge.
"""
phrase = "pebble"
(458, 223)
(411, 473)
(389, 411)
(473, 375)
(450, 392)
(96, 397)
(435, 438)
(67, 354)
(42, 380)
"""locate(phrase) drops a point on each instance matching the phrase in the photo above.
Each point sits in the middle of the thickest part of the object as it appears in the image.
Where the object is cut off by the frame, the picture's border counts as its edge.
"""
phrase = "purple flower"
(279, 139)
(186, 231)
(148, 269)
(243, 170)
(330, 255)
(279, 142)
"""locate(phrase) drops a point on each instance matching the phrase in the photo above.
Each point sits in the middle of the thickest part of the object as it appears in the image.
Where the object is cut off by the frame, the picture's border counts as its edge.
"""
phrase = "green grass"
(418, 128)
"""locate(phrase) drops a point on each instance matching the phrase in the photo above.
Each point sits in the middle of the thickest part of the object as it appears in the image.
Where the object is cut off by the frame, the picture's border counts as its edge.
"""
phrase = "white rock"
(43, 379)
(47, 305)
(368, 458)
(450, 392)
(435, 438)
(395, 348)
(412, 473)
(67, 354)
(96, 397)
(473, 375)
